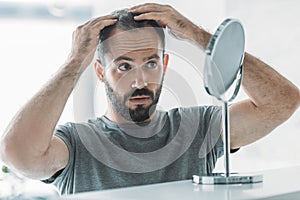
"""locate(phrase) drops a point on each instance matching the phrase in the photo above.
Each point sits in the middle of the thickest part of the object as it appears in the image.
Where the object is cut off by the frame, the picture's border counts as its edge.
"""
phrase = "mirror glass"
(224, 60)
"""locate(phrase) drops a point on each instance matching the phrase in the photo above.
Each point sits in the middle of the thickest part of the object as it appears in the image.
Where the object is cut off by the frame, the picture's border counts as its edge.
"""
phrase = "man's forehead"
(123, 42)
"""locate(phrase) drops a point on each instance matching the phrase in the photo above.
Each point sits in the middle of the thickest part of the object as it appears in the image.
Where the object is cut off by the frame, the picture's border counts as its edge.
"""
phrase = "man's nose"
(139, 79)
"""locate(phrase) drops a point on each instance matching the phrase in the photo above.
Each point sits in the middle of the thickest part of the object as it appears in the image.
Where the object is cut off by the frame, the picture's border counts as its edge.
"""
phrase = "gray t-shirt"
(175, 145)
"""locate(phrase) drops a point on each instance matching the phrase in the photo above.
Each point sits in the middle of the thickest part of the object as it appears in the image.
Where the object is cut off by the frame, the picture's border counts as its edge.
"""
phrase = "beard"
(141, 112)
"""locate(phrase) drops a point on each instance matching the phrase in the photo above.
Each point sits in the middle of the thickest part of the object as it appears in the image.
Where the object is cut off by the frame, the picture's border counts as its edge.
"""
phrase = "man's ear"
(99, 70)
(166, 61)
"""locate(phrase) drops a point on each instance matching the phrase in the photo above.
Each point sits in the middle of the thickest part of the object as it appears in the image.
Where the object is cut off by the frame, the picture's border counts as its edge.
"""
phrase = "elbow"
(298, 98)
(295, 99)
(18, 159)
(7, 154)
(3, 151)
(283, 104)
(11, 156)
(291, 101)
(12, 159)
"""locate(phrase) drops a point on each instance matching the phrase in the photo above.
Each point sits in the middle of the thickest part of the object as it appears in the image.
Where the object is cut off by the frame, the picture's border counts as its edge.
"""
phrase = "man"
(133, 143)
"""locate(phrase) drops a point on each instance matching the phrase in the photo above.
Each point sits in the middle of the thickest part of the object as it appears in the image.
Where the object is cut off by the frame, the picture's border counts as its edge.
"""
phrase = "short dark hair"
(126, 22)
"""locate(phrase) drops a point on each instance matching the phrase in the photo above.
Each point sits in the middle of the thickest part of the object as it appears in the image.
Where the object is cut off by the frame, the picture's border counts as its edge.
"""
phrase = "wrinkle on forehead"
(123, 42)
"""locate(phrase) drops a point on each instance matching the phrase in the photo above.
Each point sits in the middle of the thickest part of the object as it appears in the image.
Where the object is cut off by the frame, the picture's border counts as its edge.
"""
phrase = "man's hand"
(168, 17)
(85, 39)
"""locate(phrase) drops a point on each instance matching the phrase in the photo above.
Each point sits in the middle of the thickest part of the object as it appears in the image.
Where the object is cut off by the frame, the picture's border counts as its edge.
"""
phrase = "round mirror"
(222, 79)
(224, 60)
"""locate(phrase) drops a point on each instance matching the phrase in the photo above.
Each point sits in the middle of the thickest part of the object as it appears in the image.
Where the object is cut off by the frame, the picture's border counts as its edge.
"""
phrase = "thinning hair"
(126, 22)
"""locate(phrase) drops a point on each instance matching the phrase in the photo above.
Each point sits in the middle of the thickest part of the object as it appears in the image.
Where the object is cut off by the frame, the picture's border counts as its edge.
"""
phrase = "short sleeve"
(65, 133)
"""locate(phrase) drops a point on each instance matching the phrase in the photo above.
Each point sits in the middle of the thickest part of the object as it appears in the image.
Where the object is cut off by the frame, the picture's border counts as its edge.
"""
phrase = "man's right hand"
(85, 39)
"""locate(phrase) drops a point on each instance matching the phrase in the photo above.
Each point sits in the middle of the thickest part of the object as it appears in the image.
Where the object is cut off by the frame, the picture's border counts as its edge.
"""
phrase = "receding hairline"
(113, 41)
(126, 22)
(118, 30)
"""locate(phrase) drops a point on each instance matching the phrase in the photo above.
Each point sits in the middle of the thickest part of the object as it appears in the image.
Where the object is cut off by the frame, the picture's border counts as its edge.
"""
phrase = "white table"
(277, 184)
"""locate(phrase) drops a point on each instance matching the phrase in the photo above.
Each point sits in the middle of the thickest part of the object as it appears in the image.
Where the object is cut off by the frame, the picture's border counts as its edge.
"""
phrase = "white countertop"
(277, 183)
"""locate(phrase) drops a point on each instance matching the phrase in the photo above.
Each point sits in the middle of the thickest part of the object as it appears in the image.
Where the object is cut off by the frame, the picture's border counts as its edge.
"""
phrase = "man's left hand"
(168, 17)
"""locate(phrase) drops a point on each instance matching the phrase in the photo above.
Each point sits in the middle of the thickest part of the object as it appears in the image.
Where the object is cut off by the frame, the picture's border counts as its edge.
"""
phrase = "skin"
(30, 147)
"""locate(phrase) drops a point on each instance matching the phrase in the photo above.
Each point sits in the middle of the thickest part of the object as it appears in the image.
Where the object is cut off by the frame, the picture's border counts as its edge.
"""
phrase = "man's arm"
(28, 145)
(273, 99)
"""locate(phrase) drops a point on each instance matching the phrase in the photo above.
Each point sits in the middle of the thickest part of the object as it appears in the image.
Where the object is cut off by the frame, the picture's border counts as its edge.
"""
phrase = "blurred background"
(35, 40)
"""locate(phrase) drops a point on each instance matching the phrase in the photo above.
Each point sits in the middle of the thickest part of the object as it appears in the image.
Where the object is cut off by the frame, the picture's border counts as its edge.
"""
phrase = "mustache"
(140, 92)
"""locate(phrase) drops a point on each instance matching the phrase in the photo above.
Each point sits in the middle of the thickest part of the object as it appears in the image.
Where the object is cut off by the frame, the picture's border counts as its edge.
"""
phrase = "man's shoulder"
(75, 127)
(192, 113)
(194, 109)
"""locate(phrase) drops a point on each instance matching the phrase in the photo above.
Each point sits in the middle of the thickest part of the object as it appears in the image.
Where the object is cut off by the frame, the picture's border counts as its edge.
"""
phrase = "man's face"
(133, 72)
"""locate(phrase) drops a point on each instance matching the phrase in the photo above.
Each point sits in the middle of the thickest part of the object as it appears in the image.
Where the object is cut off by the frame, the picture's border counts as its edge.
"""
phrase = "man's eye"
(124, 67)
(151, 64)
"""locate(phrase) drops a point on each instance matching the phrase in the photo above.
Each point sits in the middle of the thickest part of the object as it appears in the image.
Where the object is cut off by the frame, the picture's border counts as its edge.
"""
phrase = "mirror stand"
(226, 177)
(222, 72)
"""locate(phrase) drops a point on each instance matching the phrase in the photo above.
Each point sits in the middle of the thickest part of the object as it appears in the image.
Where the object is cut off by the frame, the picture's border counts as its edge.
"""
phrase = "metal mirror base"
(220, 178)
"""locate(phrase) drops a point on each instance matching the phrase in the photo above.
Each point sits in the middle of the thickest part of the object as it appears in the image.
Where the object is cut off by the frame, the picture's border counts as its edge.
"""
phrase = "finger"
(101, 18)
(95, 20)
(105, 22)
(147, 7)
(157, 16)
(102, 24)
(110, 16)
(141, 5)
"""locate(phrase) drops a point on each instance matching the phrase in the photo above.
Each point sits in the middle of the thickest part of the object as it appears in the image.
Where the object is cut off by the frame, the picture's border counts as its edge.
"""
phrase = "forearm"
(199, 36)
(30, 132)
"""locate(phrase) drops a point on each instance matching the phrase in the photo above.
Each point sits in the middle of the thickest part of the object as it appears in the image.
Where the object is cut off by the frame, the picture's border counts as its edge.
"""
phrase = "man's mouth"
(139, 100)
